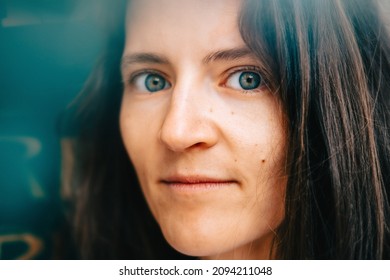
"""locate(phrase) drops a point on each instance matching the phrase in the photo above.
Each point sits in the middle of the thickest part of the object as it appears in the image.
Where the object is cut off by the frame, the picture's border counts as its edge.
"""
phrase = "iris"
(154, 82)
(249, 80)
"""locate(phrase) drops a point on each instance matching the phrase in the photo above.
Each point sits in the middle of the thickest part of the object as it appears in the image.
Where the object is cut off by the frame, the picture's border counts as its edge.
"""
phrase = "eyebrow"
(229, 54)
(143, 58)
(220, 55)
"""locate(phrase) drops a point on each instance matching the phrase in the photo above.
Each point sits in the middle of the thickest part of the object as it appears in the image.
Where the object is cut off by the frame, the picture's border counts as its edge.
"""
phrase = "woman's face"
(205, 135)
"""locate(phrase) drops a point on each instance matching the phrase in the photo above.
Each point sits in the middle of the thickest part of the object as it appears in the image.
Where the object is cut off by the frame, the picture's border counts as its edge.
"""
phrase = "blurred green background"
(47, 49)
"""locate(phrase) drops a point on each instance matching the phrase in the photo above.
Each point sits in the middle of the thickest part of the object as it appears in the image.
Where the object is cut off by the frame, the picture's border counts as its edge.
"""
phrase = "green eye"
(150, 82)
(244, 80)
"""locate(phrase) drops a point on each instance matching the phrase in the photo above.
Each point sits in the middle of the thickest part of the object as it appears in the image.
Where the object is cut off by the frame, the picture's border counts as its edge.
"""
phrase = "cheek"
(135, 133)
(260, 143)
(137, 138)
(128, 128)
(258, 139)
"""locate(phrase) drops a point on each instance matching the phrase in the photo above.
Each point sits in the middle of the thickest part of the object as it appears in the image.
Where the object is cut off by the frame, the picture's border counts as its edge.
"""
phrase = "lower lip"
(199, 187)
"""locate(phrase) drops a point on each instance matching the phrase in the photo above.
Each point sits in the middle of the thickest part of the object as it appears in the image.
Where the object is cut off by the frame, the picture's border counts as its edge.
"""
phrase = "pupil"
(249, 80)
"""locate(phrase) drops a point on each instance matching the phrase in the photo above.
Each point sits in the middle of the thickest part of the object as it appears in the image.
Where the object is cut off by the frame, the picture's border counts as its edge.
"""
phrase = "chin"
(216, 239)
(197, 241)
(189, 247)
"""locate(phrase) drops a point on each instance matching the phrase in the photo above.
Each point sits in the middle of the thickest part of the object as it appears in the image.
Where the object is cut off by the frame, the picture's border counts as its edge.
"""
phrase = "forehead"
(197, 22)
(186, 9)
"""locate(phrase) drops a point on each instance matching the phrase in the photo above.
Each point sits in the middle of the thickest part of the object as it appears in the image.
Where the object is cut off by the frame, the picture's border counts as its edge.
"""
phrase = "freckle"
(211, 110)
(232, 113)
(235, 160)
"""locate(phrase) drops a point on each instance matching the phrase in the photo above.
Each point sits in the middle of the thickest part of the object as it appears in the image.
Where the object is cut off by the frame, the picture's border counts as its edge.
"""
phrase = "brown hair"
(329, 61)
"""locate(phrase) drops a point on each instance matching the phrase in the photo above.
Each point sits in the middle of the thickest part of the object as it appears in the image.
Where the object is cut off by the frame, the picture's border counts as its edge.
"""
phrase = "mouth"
(196, 183)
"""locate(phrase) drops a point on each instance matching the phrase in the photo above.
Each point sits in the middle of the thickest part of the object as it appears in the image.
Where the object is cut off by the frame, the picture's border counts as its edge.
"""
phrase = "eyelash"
(137, 74)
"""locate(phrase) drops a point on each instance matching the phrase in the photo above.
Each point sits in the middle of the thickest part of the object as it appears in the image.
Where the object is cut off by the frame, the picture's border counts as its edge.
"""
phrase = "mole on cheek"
(263, 161)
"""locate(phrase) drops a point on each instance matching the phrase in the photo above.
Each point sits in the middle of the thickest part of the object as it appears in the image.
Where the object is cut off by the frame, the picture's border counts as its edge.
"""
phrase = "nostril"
(199, 145)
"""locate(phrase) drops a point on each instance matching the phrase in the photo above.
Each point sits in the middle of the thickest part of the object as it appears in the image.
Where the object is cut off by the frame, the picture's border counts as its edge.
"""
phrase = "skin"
(210, 156)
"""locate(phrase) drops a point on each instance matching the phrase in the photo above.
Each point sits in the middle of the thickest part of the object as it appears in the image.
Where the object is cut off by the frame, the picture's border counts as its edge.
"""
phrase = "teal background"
(47, 49)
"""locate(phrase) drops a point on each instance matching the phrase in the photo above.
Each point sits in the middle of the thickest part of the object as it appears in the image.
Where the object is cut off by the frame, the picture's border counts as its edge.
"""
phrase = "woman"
(242, 130)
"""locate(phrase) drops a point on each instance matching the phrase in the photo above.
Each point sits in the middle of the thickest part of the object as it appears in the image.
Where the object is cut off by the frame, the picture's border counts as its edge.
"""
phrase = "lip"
(196, 183)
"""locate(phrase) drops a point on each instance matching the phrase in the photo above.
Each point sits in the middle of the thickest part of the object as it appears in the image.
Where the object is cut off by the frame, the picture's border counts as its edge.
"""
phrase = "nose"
(189, 122)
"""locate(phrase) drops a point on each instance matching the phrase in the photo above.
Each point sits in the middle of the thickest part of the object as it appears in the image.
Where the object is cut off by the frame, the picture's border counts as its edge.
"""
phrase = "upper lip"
(194, 179)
